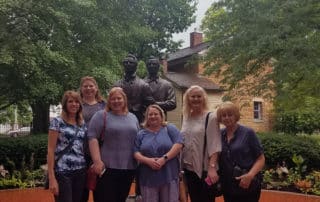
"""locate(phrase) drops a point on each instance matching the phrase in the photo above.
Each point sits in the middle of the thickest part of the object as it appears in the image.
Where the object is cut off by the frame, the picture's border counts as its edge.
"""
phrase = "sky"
(202, 7)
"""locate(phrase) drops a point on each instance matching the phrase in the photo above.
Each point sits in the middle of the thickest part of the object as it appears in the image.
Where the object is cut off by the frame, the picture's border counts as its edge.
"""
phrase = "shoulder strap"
(205, 139)
(65, 150)
(102, 134)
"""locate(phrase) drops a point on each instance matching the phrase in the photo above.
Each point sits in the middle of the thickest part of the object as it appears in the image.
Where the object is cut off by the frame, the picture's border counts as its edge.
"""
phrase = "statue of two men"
(151, 90)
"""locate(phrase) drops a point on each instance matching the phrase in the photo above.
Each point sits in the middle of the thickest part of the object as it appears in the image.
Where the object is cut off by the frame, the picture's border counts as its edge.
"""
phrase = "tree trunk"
(40, 113)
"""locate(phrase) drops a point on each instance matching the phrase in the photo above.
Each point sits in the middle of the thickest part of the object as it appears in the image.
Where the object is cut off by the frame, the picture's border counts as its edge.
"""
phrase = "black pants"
(197, 190)
(114, 185)
(71, 186)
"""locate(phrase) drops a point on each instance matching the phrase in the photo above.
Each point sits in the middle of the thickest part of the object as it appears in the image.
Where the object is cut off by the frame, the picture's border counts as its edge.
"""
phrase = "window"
(257, 110)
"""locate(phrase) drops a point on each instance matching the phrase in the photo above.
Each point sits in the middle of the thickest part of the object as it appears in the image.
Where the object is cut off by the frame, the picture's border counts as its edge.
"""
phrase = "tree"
(248, 35)
(47, 46)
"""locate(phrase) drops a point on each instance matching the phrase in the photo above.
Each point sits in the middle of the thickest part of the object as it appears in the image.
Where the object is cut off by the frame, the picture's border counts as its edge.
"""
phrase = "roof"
(185, 52)
(183, 80)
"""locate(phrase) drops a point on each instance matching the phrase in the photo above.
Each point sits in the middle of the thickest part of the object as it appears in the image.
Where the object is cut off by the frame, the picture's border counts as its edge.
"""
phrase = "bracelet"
(212, 165)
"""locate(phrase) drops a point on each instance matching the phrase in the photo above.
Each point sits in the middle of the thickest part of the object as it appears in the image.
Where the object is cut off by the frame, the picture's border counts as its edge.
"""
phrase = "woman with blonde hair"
(202, 144)
(241, 158)
(157, 146)
(92, 101)
(113, 152)
(66, 161)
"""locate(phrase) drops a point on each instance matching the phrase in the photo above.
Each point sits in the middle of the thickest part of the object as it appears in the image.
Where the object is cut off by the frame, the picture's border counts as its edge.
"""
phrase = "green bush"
(25, 152)
(281, 147)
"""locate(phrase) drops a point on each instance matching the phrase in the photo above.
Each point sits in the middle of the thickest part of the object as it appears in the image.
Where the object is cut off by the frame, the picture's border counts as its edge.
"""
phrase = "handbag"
(216, 188)
(58, 156)
(183, 193)
(91, 175)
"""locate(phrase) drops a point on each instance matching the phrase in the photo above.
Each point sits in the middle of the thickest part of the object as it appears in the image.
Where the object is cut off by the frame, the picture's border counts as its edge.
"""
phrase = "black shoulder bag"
(58, 157)
(216, 188)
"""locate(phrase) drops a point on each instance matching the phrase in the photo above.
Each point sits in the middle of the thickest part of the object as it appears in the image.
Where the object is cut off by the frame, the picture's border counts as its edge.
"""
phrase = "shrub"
(25, 152)
(281, 147)
(294, 122)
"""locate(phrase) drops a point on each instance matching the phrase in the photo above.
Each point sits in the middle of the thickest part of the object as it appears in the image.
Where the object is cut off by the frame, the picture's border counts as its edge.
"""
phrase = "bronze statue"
(162, 90)
(138, 92)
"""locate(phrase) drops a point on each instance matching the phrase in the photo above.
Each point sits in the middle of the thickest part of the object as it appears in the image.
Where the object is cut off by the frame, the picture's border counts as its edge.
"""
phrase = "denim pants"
(71, 185)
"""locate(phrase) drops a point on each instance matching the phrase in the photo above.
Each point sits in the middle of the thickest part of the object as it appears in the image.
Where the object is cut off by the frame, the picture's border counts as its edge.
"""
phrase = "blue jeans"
(71, 185)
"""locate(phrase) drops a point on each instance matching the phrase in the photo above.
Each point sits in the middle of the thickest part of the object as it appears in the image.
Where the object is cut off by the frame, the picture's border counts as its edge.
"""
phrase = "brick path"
(41, 195)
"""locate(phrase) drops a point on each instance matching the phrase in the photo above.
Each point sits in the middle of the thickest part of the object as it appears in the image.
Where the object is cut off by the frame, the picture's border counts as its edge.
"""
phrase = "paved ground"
(41, 195)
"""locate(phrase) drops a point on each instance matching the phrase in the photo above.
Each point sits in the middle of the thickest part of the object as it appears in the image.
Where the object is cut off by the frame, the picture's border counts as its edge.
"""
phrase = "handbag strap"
(205, 138)
(67, 148)
(102, 134)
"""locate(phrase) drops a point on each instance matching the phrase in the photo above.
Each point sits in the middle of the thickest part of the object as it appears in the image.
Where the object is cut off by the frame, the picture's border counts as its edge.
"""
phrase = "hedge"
(15, 153)
(23, 152)
(281, 147)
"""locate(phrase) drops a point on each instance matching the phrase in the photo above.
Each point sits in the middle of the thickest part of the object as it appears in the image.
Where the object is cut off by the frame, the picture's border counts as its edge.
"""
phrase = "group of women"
(117, 144)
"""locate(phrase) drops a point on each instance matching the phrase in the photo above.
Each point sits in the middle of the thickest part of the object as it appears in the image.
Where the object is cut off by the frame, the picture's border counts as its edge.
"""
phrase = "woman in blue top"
(156, 148)
(241, 158)
(67, 175)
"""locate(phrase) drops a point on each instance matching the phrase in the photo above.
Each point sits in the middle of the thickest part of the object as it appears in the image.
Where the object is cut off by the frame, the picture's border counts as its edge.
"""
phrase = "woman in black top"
(241, 158)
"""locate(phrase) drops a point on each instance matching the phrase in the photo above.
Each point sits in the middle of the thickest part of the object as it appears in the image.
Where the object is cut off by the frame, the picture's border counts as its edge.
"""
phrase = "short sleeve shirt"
(242, 150)
(74, 158)
(120, 133)
(157, 144)
(193, 130)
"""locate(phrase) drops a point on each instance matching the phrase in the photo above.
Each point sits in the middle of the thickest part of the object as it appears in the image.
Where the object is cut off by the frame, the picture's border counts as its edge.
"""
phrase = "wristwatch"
(165, 157)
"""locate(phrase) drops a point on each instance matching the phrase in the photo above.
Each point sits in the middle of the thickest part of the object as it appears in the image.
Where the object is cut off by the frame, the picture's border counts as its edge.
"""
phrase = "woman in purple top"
(92, 101)
(156, 148)
(115, 152)
(241, 158)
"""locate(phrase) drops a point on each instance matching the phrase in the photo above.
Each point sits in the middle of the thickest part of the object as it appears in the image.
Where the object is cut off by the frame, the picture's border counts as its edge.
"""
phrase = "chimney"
(195, 39)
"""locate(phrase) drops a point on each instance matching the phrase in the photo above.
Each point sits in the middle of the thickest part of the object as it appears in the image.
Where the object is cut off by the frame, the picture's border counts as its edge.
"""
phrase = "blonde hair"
(162, 114)
(187, 110)
(113, 91)
(64, 113)
(98, 95)
(228, 108)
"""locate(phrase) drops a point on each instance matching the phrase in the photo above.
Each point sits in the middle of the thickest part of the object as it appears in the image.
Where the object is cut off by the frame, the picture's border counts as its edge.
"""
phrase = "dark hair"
(130, 57)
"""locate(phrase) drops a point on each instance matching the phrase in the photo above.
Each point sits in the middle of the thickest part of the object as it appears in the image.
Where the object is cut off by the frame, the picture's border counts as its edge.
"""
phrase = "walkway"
(41, 195)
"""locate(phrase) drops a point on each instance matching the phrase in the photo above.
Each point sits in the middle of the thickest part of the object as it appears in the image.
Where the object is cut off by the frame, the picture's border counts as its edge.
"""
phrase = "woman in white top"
(199, 161)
